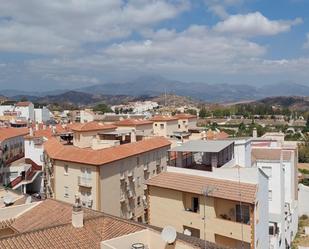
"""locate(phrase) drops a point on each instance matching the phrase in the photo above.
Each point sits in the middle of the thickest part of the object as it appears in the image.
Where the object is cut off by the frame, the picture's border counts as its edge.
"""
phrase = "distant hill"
(79, 98)
(292, 102)
(152, 86)
(155, 86)
(175, 100)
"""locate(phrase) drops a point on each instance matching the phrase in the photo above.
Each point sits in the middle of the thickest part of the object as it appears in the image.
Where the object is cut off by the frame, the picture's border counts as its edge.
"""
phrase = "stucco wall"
(70, 180)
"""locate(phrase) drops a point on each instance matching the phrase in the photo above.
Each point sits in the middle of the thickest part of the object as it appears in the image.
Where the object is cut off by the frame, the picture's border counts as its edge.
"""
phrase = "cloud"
(254, 24)
(306, 44)
(57, 26)
(219, 7)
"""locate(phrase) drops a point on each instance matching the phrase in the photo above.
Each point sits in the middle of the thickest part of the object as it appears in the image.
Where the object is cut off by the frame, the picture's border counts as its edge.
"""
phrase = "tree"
(203, 113)
(102, 108)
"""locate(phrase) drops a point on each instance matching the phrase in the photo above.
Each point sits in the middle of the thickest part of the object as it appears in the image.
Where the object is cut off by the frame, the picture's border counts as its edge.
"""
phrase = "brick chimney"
(77, 214)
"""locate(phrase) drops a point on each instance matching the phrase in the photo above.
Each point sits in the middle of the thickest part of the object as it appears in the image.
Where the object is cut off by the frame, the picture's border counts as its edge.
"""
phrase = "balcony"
(85, 182)
(122, 177)
(130, 194)
(231, 229)
(146, 167)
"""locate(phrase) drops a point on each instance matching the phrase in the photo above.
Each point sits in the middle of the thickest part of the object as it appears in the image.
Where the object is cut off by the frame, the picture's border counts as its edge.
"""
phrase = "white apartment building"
(280, 164)
(22, 110)
(42, 115)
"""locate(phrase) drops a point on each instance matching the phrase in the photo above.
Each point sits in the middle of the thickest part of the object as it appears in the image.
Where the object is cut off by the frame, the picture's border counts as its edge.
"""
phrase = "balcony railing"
(85, 182)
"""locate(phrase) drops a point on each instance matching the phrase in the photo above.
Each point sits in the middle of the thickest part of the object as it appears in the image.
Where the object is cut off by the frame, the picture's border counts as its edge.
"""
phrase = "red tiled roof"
(48, 225)
(163, 118)
(23, 103)
(91, 126)
(185, 116)
(6, 133)
(224, 189)
(33, 219)
(133, 122)
(61, 152)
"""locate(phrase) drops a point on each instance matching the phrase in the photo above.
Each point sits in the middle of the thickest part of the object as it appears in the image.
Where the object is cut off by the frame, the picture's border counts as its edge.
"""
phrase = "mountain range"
(156, 85)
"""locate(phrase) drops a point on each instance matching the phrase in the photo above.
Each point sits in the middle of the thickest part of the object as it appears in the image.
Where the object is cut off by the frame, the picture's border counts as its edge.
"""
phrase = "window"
(66, 192)
(66, 169)
(195, 204)
(162, 126)
(242, 214)
(178, 126)
(270, 195)
(138, 201)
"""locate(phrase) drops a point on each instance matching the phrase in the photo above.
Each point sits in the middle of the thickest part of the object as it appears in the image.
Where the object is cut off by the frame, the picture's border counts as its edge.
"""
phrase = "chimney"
(133, 136)
(254, 133)
(77, 214)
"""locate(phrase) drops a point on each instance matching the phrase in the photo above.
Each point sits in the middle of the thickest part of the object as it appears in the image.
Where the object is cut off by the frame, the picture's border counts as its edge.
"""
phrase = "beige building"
(86, 135)
(223, 211)
(141, 126)
(164, 125)
(186, 122)
(111, 179)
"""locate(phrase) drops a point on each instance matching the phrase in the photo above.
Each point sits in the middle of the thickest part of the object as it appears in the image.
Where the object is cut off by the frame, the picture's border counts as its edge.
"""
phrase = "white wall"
(303, 197)
(34, 152)
(42, 114)
(261, 227)
(242, 153)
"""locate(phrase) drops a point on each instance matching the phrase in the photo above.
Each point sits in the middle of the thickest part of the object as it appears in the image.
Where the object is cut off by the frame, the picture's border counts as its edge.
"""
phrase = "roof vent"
(138, 246)
(8, 200)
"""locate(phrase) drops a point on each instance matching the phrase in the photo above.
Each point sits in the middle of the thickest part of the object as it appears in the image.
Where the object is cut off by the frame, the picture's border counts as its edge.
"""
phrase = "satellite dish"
(169, 234)
(28, 200)
(8, 199)
(187, 232)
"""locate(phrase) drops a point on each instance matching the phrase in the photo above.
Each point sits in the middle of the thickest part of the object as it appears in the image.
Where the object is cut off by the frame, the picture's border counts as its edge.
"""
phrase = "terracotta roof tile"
(6, 133)
(133, 122)
(91, 126)
(163, 118)
(54, 230)
(58, 151)
(185, 116)
(224, 189)
(55, 213)
(23, 103)
(270, 154)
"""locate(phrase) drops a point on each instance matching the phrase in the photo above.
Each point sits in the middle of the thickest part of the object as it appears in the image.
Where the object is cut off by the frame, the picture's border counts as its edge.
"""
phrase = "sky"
(68, 44)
